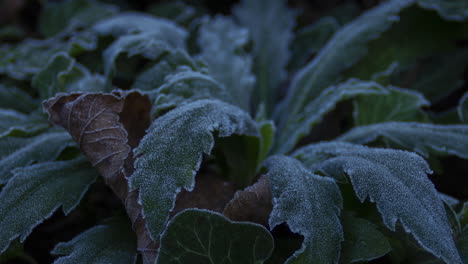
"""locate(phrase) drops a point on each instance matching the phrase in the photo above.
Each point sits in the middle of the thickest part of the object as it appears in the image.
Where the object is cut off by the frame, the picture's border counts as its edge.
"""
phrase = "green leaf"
(36, 191)
(150, 46)
(14, 123)
(171, 153)
(221, 42)
(16, 99)
(185, 86)
(201, 236)
(397, 182)
(42, 148)
(424, 139)
(310, 205)
(270, 24)
(301, 124)
(344, 49)
(64, 74)
(71, 14)
(397, 105)
(178, 11)
(28, 58)
(311, 39)
(111, 242)
(463, 108)
(362, 240)
(451, 10)
(462, 245)
(169, 64)
(139, 23)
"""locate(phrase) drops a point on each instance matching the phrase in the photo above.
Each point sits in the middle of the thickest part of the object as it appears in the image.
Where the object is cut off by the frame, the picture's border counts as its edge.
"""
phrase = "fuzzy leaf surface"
(16, 99)
(310, 205)
(397, 105)
(344, 49)
(363, 241)
(397, 182)
(111, 242)
(41, 148)
(201, 236)
(424, 139)
(271, 47)
(13, 123)
(72, 14)
(301, 124)
(36, 191)
(171, 153)
(221, 42)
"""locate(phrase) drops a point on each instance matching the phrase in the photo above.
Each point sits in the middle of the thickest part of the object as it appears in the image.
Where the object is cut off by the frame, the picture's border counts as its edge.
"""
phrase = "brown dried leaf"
(253, 204)
(107, 127)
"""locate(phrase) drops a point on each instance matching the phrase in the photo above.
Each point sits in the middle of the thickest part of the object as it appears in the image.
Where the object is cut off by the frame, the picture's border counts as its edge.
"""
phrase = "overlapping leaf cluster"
(201, 126)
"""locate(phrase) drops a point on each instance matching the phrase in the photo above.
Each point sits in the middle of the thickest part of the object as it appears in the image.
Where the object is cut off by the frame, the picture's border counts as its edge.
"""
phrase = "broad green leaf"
(13, 123)
(301, 124)
(270, 24)
(451, 10)
(463, 108)
(64, 74)
(16, 99)
(345, 48)
(71, 14)
(462, 244)
(201, 236)
(362, 240)
(150, 46)
(185, 86)
(28, 58)
(139, 23)
(310, 205)
(424, 139)
(111, 242)
(42, 148)
(169, 64)
(311, 39)
(397, 182)
(397, 105)
(221, 42)
(36, 191)
(418, 34)
(171, 153)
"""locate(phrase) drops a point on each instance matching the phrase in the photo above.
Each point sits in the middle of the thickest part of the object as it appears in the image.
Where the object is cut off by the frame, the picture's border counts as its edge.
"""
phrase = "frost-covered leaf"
(301, 124)
(28, 58)
(185, 86)
(13, 123)
(36, 191)
(168, 65)
(16, 99)
(221, 42)
(111, 242)
(64, 74)
(270, 24)
(201, 236)
(451, 10)
(344, 49)
(178, 11)
(71, 14)
(397, 182)
(310, 205)
(148, 45)
(41, 148)
(463, 108)
(397, 105)
(362, 240)
(311, 39)
(171, 152)
(139, 23)
(424, 139)
(253, 204)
